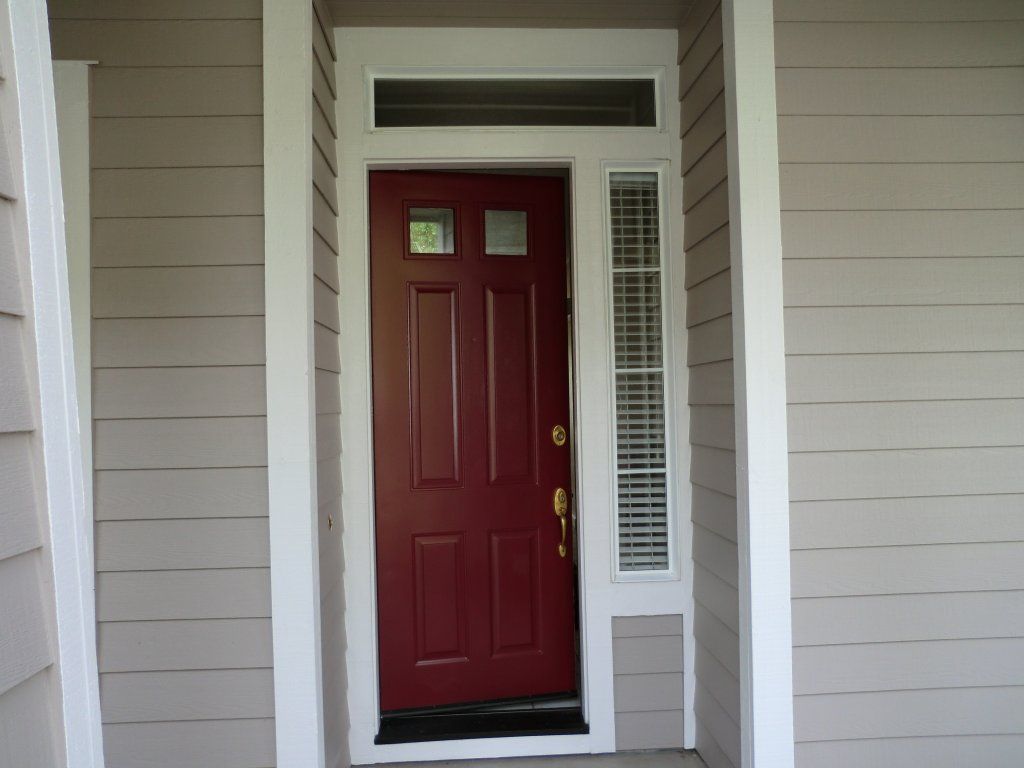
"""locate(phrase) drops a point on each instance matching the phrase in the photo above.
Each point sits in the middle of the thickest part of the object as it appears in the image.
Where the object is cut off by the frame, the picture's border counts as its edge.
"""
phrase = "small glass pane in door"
(431, 230)
(505, 233)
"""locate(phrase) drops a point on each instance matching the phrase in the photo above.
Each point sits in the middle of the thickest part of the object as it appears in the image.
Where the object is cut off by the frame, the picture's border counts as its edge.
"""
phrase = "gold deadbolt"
(558, 434)
(561, 504)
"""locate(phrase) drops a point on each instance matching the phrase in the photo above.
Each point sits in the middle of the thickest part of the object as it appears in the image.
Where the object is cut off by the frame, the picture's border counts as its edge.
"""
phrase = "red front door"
(470, 378)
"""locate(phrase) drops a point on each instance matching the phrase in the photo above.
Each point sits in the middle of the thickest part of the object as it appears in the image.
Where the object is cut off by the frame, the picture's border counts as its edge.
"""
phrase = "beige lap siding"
(647, 657)
(326, 327)
(30, 722)
(901, 133)
(178, 383)
(709, 357)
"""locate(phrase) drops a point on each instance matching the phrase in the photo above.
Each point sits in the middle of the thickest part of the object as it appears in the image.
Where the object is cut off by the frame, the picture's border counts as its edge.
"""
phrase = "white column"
(291, 418)
(762, 461)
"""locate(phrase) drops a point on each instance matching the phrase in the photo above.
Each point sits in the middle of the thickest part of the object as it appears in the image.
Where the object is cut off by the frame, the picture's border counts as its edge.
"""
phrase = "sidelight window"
(642, 497)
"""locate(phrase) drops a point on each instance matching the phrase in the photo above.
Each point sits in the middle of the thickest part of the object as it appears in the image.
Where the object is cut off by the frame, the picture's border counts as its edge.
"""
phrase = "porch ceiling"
(638, 14)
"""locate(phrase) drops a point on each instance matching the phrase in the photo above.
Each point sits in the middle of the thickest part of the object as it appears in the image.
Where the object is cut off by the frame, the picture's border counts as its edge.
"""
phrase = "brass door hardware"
(561, 505)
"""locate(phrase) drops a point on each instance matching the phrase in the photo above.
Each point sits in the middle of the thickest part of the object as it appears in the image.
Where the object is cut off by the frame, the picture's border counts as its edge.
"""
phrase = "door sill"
(404, 729)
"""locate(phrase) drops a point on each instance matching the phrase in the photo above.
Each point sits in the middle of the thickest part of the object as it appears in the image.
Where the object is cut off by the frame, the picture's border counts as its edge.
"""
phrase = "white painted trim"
(762, 459)
(661, 170)
(71, 91)
(65, 498)
(291, 425)
(581, 152)
(655, 73)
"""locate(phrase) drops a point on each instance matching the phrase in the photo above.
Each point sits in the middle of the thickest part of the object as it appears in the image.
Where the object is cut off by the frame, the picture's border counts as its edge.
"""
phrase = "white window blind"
(641, 469)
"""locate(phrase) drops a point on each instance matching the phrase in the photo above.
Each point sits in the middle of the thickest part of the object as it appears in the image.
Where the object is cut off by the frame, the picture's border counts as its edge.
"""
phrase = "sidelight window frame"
(659, 169)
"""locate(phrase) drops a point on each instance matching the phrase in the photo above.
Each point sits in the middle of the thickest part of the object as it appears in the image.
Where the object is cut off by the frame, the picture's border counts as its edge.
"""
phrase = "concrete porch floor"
(666, 759)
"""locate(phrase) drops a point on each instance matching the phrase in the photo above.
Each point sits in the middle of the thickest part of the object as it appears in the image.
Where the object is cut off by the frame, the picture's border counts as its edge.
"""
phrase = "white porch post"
(762, 471)
(291, 426)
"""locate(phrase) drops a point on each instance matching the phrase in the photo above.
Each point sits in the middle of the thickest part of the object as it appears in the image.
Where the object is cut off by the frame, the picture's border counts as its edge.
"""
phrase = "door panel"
(470, 374)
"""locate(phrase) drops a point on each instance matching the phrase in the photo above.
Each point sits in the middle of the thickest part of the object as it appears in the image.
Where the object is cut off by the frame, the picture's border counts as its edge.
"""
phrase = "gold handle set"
(560, 501)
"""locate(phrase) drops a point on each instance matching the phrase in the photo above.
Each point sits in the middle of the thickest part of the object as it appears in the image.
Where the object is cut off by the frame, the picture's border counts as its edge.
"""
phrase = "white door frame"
(582, 152)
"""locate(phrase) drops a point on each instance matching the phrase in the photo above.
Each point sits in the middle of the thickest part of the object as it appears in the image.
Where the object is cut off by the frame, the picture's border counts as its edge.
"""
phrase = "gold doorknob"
(561, 504)
(558, 434)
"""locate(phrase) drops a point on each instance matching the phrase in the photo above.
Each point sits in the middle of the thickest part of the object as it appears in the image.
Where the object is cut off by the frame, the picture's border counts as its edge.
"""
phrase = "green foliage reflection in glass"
(431, 230)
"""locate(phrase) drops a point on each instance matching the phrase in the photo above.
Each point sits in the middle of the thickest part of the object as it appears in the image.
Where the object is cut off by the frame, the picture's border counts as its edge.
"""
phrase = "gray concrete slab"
(661, 759)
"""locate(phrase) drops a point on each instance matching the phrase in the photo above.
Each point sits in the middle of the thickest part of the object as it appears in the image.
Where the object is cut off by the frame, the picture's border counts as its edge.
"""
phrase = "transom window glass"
(431, 230)
(505, 233)
(454, 102)
(641, 468)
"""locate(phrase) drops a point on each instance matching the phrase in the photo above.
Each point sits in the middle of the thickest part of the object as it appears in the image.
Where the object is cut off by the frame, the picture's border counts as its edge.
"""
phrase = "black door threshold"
(403, 729)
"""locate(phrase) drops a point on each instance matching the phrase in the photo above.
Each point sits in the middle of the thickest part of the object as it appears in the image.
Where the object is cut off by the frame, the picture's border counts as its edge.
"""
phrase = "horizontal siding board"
(908, 569)
(706, 174)
(649, 730)
(707, 216)
(178, 9)
(892, 522)
(992, 751)
(326, 349)
(927, 424)
(714, 468)
(325, 306)
(647, 626)
(19, 515)
(324, 140)
(714, 511)
(717, 639)
(723, 729)
(146, 192)
(716, 554)
(978, 711)
(698, 56)
(902, 618)
(908, 666)
(141, 494)
(717, 597)
(923, 44)
(184, 91)
(711, 384)
(197, 744)
(849, 330)
(874, 378)
(889, 91)
(180, 443)
(710, 342)
(165, 545)
(705, 132)
(897, 10)
(902, 282)
(24, 641)
(198, 594)
(165, 142)
(173, 392)
(177, 291)
(903, 139)
(220, 694)
(140, 646)
(885, 474)
(17, 395)
(159, 43)
(649, 693)
(177, 242)
(707, 258)
(710, 299)
(324, 179)
(905, 186)
(903, 234)
(719, 682)
(11, 301)
(647, 655)
(182, 341)
(702, 91)
(328, 392)
(325, 222)
(29, 702)
(325, 264)
(323, 99)
(708, 749)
